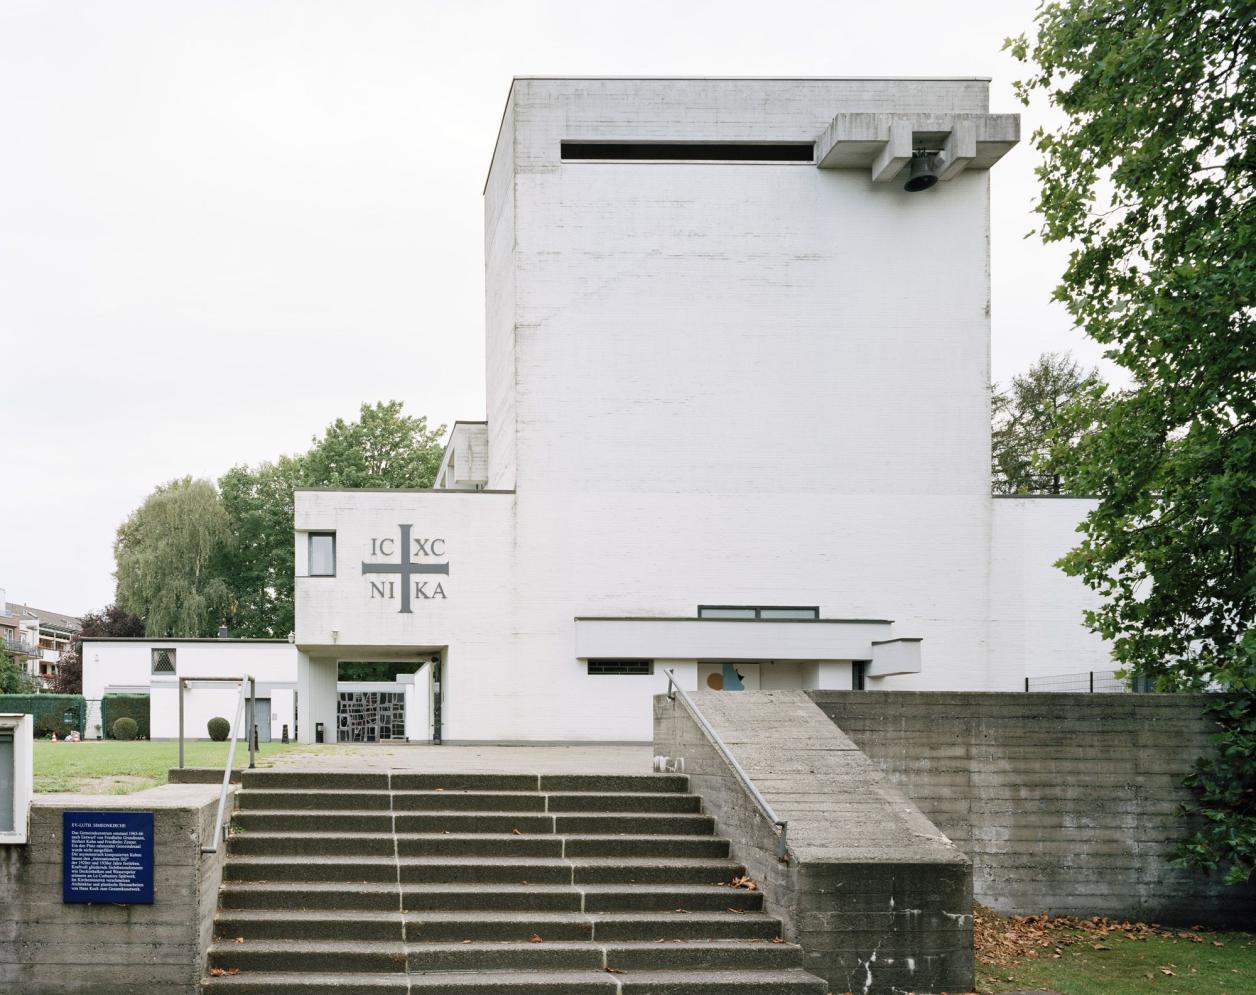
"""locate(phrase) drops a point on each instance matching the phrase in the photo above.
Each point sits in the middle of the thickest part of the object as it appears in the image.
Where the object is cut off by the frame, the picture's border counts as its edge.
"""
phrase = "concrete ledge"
(51, 948)
(201, 775)
(878, 898)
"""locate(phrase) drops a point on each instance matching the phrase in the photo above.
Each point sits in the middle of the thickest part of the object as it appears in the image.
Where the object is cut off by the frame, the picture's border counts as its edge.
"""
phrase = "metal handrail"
(220, 827)
(673, 689)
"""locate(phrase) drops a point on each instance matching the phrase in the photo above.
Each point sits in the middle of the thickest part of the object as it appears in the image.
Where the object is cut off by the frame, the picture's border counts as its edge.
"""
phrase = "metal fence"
(1089, 682)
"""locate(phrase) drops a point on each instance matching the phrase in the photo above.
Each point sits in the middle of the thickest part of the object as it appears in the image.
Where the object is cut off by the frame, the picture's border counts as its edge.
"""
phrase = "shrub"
(47, 725)
(68, 709)
(132, 706)
(219, 729)
(125, 728)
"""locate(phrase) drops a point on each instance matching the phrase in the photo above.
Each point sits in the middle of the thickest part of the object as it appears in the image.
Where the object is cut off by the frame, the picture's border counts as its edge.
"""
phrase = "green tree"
(258, 566)
(1152, 181)
(13, 677)
(383, 448)
(1027, 425)
(169, 556)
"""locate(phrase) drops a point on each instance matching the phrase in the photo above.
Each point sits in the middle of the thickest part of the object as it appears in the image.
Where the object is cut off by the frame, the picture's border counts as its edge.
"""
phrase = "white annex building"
(738, 423)
(738, 427)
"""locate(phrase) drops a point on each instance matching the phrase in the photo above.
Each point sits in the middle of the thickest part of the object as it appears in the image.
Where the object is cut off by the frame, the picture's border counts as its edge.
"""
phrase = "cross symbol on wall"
(406, 568)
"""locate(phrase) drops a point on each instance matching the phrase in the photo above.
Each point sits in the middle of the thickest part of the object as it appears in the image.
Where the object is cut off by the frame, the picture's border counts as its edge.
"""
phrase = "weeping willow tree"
(169, 554)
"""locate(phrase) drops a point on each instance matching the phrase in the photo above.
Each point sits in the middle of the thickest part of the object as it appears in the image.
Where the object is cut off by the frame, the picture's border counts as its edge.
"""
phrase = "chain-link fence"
(1089, 681)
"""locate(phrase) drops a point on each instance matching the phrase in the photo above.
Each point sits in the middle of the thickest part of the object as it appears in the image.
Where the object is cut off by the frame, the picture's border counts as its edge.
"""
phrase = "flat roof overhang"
(747, 639)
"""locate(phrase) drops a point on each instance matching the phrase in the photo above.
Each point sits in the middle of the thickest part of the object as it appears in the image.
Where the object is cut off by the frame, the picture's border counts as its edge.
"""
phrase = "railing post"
(180, 723)
(1092, 682)
(251, 731)
(1026, 685)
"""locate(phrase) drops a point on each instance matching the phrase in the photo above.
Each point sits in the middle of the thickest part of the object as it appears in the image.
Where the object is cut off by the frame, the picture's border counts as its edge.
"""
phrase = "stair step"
(615, 823)
(485, 870)
(322, 799)
(285, 924)
(248, 821)
(422, 958)
(308, 895)
(585, 898)
(741, 982)
(436, 927)
(413, 781)
(380, 844)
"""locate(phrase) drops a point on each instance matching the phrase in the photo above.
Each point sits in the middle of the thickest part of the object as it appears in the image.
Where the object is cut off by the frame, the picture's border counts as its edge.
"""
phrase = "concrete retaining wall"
(1066, 803)
(878, 899)
(50, 948)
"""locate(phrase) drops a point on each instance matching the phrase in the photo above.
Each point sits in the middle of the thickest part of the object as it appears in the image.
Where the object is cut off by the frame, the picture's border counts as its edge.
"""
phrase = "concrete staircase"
(471, 884)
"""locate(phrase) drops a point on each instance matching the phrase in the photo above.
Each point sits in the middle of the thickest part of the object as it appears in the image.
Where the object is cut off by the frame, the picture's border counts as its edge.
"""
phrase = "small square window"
(163, 661)
(322, 554)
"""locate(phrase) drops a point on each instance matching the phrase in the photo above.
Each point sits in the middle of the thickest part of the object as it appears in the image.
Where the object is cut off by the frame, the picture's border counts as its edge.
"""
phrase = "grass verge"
(118, 768)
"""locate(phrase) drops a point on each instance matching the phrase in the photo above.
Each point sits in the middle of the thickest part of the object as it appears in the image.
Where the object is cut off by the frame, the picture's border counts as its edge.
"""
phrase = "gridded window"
(757, 611)
(598, 667)
(322, 554)
(163, 661)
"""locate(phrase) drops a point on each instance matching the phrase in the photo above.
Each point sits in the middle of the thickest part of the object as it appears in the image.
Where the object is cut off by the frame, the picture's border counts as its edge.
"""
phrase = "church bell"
(923, 172)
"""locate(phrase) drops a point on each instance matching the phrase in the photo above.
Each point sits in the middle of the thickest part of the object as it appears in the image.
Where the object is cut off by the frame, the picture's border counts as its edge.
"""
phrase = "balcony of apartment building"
(18, 645)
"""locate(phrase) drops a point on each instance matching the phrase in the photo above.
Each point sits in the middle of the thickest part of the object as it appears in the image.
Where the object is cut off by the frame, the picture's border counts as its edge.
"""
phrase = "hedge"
(51, 707)
(131, 706)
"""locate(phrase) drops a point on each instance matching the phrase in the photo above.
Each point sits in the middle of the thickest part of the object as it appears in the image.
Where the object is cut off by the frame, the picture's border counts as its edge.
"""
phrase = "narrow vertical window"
(322, 554)
(858, 675)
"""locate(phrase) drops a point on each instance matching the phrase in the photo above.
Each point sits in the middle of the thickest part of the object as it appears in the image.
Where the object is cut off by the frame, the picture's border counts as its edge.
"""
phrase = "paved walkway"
(575, 758)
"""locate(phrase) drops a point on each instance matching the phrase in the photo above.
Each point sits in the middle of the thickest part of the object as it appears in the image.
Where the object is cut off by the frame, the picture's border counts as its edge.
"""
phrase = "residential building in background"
(36, 637)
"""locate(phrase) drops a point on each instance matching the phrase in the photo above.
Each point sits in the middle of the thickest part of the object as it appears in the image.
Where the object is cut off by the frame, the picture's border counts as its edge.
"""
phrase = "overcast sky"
(224, 224)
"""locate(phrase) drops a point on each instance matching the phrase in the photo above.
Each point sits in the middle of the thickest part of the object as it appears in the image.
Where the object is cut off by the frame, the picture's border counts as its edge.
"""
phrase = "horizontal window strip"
(690, 151)
(602, 667)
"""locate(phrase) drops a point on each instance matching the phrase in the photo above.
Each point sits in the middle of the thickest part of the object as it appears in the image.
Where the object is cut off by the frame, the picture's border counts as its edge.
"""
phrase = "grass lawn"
(118, 768)
(1118, 959)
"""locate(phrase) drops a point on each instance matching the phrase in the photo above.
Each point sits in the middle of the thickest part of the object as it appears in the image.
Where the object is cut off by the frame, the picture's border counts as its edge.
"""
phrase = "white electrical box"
(17, 776)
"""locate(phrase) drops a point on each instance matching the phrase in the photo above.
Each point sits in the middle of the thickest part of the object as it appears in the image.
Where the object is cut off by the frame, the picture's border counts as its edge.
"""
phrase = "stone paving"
(568, 758)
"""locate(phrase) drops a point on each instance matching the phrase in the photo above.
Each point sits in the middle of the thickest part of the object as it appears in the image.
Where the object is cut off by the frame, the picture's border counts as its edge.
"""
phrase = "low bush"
(219, 729)
(125, 728)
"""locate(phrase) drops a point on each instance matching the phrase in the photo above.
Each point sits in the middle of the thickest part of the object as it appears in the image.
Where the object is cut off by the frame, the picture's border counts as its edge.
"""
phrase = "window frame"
(758, 612)
(309, 553)
(625, 662)
(155, 653)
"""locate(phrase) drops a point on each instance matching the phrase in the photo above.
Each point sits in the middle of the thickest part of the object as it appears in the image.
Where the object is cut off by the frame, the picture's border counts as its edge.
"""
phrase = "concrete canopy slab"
(865, 140)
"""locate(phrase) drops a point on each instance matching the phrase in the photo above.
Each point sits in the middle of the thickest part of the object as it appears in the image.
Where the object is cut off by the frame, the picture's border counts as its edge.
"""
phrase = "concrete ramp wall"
(879, 899)
(1066, 803)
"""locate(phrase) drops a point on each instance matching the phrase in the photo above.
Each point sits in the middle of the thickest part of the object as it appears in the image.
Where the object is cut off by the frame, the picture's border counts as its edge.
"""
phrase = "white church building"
(738, 427)
(738, 423)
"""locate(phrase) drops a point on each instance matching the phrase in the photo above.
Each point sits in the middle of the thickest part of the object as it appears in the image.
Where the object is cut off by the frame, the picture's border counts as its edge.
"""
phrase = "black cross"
(405, 568)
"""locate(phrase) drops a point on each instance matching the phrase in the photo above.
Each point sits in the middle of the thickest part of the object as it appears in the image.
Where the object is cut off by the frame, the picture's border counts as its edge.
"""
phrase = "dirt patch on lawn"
(112, 784)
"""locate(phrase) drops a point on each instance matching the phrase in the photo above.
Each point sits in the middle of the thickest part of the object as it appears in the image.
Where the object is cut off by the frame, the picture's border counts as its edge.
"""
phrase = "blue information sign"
(108, 857)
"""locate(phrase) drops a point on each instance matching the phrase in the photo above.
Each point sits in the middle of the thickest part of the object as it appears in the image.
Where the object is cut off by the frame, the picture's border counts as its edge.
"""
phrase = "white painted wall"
(125, 666)
(1035, 608)
(707, 383)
